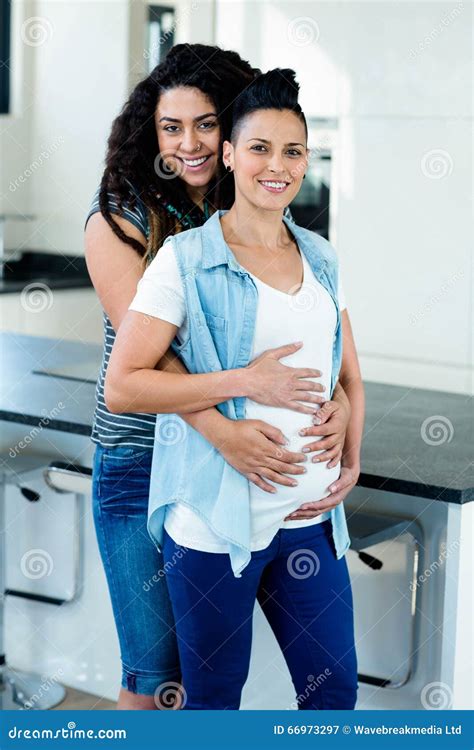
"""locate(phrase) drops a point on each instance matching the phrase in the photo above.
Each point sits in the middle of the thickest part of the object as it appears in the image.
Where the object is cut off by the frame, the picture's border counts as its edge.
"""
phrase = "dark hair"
(133, 144)
(276, 89)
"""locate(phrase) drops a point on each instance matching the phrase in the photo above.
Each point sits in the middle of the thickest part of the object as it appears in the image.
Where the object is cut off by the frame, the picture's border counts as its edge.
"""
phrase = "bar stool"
(368, 529)
(23, 690)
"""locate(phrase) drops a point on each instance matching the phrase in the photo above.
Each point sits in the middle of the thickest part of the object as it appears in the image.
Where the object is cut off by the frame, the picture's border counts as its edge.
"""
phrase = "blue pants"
(305, 593)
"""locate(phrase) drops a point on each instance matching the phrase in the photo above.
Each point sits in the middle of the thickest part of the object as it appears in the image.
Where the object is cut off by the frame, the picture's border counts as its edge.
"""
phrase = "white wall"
(15, 129)
(398, 78)
(84, 59)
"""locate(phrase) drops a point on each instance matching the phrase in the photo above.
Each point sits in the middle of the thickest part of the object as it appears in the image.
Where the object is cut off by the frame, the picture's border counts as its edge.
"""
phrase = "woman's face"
(269, 158)
(188, 134)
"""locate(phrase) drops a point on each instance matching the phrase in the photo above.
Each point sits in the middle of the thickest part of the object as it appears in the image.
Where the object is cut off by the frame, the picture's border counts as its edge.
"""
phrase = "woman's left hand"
(339, 491)
(333, 420)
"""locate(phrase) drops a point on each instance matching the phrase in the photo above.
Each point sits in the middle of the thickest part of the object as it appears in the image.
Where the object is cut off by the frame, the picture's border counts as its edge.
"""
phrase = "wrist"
(209, 423)
(239, 382)
(349, 463)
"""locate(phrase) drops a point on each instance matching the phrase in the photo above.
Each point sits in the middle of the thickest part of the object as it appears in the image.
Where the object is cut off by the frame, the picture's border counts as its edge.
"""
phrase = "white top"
(308, 316)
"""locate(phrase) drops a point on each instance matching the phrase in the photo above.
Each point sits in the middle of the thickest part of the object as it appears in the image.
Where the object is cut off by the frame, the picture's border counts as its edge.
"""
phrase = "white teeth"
(195, 162)
(276, 185)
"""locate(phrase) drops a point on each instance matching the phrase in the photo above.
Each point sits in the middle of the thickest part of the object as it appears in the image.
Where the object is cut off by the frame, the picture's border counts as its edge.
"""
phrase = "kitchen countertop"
(416, 442)
(54, 270)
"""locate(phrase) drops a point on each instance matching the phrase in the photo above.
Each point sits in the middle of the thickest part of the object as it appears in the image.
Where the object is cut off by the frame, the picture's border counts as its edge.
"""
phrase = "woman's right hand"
(256, 450)
(274, 384)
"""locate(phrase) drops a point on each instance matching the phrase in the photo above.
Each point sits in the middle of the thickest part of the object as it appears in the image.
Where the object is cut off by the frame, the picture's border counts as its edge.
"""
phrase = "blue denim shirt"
(221, 304)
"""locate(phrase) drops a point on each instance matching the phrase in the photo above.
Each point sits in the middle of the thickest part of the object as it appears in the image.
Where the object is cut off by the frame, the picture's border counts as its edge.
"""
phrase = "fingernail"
(302, 432)
(294, 483)
(316, 460)
(306, 450)
(333, 488)
(316, 420)
(304, 469)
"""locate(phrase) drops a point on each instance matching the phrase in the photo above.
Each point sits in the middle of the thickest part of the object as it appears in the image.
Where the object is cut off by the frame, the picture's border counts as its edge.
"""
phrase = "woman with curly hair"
(163, 174)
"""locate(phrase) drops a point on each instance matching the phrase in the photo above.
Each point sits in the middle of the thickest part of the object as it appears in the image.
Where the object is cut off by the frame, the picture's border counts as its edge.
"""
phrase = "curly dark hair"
(133, 144)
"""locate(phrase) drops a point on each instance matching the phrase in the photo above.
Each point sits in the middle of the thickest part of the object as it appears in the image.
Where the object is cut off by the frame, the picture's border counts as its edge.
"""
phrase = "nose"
(275, 163)
(189, 141)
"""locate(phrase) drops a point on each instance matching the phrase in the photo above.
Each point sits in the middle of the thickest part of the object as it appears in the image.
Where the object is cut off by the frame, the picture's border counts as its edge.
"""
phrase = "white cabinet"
(71, 314)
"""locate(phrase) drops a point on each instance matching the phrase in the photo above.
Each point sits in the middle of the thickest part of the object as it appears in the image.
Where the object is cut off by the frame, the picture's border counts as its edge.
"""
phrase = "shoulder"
(319, 243)
(187, 247)
(130, 207)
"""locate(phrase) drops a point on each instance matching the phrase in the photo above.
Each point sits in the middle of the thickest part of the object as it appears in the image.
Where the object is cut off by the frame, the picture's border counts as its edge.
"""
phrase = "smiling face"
(188, 134)
(269, 158)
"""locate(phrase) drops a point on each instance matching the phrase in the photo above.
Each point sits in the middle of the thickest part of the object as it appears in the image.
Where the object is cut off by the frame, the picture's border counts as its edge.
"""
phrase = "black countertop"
(54, 270)
(417, 442)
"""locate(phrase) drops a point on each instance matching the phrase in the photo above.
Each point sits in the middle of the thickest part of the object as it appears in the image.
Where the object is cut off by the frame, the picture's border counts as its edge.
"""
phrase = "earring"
(228, 168)
(304, 177)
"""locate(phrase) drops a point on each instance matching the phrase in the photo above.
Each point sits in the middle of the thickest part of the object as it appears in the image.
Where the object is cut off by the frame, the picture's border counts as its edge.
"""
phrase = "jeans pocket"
(124, 481)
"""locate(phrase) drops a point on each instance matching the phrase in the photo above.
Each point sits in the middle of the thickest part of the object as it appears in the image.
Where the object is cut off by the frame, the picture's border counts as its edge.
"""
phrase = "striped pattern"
(119, 429)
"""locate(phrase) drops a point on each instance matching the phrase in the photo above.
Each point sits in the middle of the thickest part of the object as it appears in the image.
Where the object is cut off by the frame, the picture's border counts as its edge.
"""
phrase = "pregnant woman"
(220, 295)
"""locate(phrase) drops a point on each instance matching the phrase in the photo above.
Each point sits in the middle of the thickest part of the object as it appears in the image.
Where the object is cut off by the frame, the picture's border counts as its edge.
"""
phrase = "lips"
(274, 186)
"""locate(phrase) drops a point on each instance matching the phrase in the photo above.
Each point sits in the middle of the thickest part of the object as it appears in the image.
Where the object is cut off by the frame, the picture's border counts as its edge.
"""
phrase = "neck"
(197, 194)
(248, 225)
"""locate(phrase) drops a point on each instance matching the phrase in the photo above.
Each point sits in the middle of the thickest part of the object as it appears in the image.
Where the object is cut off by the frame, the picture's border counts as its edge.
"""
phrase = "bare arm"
(351, 380)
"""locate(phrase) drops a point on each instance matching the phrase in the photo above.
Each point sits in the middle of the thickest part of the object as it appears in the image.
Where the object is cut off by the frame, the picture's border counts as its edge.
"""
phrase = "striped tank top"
(138, 429)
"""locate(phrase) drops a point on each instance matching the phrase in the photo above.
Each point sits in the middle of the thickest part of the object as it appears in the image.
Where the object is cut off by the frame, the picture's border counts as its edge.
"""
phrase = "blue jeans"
(305, 594)
(134, 569)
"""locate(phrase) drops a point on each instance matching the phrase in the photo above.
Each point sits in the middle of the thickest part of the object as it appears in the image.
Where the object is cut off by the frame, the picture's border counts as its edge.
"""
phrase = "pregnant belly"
(312, 486)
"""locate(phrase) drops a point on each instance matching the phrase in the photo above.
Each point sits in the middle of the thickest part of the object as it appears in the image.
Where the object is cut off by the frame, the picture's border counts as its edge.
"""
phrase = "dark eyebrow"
(263, 140)
(196, 119)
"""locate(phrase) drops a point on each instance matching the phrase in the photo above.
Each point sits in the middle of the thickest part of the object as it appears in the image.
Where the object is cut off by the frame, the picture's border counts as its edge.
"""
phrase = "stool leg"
(20, 690)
